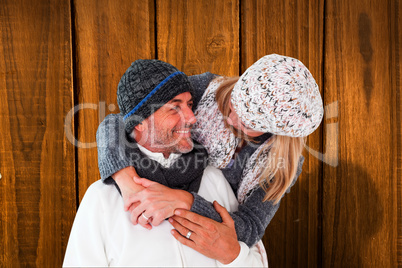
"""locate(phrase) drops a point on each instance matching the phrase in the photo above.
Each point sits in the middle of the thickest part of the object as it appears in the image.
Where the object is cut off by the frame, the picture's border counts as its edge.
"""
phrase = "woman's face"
(234, 121)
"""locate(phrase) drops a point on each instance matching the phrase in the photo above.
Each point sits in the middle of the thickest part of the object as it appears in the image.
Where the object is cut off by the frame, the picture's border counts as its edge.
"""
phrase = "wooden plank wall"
(60, 63)
(37, 199)
(293, 28)
(362, 195)
(195, 47)
(109, 35)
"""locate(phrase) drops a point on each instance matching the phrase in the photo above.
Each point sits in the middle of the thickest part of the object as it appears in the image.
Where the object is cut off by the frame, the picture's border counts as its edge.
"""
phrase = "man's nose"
(189, 116)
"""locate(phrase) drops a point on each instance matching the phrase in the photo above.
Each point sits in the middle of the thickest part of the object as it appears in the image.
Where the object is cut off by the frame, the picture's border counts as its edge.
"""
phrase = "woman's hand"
(125, 180)
(157, 202)
(210, 238)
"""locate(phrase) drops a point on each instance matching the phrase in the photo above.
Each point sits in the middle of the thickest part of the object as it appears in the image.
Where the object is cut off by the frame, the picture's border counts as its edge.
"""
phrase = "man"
(156, 101)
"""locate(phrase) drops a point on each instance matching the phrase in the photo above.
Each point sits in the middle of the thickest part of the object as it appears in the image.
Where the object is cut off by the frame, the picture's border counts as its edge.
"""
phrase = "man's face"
(168, 129)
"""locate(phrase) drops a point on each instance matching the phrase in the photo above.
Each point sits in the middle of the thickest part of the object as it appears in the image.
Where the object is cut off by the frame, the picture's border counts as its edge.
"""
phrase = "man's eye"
(190, 105)
(175, 108)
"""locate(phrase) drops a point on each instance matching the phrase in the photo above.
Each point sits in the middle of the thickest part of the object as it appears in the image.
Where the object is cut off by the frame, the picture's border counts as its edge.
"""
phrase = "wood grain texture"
(396, 129)
(199, 36)
(110, 35)
(37, 199)
(344, 211)
(360, 194)
(291, 28)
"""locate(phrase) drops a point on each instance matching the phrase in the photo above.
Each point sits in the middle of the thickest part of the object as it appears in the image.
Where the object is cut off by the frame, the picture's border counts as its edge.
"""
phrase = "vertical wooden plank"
(37, 199)
(110, 34)
(396, 123)
(360, 195)
(199, 36)
(295, 29)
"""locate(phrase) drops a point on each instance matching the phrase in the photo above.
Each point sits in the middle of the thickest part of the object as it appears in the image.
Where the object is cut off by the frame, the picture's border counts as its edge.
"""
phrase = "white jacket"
(102, 234)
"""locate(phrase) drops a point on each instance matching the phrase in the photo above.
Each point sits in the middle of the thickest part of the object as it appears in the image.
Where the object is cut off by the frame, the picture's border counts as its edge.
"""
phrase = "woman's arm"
(252, 217)
(200, 83)
(112, 144)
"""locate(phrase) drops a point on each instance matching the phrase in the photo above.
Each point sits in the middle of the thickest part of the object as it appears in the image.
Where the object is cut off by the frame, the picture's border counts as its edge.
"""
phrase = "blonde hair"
(283, 160)
(284, 152)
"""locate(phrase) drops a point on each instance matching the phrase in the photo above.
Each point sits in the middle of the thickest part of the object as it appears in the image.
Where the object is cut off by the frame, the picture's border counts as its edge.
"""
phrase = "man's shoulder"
(97, 186)
(101, 191)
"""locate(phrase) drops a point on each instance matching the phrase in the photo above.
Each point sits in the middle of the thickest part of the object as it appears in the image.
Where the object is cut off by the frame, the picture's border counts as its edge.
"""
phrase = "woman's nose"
(232, 120)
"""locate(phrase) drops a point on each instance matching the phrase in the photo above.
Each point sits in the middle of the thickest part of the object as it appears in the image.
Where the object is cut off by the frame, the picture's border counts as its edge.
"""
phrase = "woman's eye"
(247, 128)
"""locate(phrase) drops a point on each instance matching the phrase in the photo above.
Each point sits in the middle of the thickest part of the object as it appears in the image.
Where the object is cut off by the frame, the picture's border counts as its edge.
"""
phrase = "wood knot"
(216, 45)
(192, 67)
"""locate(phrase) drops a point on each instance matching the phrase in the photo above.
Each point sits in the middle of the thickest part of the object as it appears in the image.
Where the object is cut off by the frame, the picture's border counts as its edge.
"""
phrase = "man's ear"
(141, 126)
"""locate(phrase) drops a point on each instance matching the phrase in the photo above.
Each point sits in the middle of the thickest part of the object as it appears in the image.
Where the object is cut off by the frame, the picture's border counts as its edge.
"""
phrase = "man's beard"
(169, 144)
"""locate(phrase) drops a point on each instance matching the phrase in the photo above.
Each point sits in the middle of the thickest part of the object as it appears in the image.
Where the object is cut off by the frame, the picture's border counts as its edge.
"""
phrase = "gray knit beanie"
(145, 87)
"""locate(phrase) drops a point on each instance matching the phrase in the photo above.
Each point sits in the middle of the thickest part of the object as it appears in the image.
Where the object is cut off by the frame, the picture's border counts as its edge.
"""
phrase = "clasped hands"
(158, 202)
(155, 202)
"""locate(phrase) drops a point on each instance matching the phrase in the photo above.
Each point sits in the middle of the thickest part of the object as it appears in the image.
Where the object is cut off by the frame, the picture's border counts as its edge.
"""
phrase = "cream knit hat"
(278, 94)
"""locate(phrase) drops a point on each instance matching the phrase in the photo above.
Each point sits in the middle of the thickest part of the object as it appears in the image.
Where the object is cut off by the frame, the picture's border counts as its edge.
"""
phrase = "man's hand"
(210, 238)
(157, 202)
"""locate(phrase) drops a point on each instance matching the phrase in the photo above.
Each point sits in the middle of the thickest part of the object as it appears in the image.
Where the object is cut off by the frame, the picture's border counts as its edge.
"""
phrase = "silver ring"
(145, 217)
(188, 234)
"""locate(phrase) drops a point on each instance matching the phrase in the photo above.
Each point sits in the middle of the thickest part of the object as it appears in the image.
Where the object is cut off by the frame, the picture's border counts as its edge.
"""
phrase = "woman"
(253, 128)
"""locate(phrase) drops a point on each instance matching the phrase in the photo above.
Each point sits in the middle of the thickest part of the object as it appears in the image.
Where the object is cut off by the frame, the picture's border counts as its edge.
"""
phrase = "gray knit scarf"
(185, 173)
